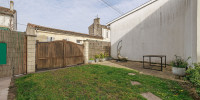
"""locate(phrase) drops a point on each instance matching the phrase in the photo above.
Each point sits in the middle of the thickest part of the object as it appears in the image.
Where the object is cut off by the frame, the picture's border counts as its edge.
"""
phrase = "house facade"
(159, 27)
(8, 17)
(45, 34)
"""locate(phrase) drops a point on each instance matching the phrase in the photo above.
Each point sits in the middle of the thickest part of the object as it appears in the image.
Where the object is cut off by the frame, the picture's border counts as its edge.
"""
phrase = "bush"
(97, 56)
(102, 56)
(193, 75)
(180, 62)
(106, 55)
(91, 59)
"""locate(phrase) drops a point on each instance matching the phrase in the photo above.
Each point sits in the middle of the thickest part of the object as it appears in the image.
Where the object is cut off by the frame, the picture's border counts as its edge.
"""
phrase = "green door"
(3, 53)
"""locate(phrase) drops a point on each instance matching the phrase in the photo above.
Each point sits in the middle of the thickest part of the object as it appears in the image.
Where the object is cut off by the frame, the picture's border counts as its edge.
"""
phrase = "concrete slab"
(135, 83)
(4, 87)
(150, 96)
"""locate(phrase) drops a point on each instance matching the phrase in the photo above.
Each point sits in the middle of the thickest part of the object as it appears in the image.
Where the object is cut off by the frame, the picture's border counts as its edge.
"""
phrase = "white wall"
(43, 35)
(5, 20)
(165, 27)
(198, 31)
(106, 34)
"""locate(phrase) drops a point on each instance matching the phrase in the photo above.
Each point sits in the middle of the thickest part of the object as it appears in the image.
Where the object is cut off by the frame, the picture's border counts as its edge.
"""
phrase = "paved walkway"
(4, 87)
(166, 73)
(108, 63)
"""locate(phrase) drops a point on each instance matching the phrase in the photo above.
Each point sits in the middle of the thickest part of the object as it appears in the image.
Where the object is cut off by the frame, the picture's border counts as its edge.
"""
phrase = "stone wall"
(97, 47)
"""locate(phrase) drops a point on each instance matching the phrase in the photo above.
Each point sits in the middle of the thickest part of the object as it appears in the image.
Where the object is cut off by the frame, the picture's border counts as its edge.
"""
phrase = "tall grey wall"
(165, 27)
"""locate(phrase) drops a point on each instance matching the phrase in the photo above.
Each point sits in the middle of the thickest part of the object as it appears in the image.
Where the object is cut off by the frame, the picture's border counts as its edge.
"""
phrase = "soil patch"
(190, 88)
(12, 90)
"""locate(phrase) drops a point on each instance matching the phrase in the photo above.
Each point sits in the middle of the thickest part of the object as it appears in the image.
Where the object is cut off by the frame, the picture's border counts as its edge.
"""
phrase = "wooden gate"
(58, 54)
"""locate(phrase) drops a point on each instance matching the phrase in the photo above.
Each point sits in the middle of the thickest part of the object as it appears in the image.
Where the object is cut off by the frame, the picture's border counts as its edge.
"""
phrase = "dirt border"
(12, 90)
(191, 89)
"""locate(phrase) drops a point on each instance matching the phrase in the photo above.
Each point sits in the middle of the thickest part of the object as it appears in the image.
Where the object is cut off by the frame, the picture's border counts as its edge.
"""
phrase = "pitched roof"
(132, 11)
(42, 28)
(7, 11)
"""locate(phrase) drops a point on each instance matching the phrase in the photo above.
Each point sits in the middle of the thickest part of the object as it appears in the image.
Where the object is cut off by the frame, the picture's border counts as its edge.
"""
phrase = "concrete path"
(137, 66)
(107, 63)
(4, 87)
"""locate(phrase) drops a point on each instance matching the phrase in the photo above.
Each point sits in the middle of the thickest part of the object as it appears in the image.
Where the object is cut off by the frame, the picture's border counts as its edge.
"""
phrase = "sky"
(71, 15)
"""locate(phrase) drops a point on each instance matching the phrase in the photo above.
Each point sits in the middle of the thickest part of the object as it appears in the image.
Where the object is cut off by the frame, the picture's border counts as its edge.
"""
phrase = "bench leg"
(165, 61)
(143, 61)
(161, 64)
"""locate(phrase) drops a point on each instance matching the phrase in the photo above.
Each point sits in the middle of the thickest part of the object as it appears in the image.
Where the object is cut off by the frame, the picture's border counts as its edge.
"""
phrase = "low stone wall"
(97, 47)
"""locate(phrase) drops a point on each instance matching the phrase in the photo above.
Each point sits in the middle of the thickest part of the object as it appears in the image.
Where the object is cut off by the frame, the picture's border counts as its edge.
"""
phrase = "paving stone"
(135, 83)
(150, 96)
(131, 74)
(4, 87)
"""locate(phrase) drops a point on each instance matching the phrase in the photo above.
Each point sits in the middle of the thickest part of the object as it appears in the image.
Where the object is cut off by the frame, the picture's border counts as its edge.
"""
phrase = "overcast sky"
(72, 15)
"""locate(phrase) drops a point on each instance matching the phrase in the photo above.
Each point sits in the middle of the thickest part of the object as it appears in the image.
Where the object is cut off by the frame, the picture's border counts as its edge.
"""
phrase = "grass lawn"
(95, 82)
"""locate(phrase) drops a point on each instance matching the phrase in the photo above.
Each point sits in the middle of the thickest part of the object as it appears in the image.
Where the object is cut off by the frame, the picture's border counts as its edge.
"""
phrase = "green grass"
(95, 82)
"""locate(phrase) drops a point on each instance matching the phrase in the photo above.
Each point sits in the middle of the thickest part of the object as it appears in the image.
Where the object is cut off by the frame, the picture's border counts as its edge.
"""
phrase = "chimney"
(11, 5)
(97, 21)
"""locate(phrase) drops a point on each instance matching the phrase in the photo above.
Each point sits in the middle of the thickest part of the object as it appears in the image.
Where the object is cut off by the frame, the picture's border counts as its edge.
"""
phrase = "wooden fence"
(58, 54)
(15, 59)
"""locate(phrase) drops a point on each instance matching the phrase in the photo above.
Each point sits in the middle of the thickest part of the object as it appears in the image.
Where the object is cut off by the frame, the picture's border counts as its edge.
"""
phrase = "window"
(3, 53)
(67, 39)
(107, 34)
(78, 41)
(49, 39)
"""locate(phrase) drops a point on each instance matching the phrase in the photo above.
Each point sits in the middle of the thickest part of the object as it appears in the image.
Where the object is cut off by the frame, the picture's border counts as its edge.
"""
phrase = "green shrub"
(91, 59)
(193, 75)
(106, 55)
(180, 62)
(102, 56)
(97, 56)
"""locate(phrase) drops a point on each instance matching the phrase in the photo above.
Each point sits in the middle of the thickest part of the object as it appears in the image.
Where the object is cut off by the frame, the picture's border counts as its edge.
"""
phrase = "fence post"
(31, 48)
(64, 53)
(86, 52)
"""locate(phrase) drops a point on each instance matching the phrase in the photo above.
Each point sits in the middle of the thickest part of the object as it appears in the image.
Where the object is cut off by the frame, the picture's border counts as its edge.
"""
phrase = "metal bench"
(158, 56)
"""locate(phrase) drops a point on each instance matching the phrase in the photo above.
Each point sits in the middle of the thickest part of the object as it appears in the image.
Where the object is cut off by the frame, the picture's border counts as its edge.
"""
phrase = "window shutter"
(48, 39)
(3, 53)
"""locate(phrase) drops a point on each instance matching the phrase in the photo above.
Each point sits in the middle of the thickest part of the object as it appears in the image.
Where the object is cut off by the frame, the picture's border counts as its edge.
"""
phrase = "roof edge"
(132, 11)
(43, 28)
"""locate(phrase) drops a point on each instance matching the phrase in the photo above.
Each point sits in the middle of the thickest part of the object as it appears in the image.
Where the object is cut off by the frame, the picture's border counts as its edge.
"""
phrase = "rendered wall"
(5, 20)
(42, 37)
(198, 31)
(165, 27)
(8, 21)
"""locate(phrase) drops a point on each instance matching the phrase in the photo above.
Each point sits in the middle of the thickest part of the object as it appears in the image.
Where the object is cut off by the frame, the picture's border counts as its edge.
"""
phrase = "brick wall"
(97, 47)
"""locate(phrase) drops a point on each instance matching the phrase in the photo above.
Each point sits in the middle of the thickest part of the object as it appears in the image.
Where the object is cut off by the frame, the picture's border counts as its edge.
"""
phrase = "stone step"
(131, 74)
(150, 96)
(135, 83)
